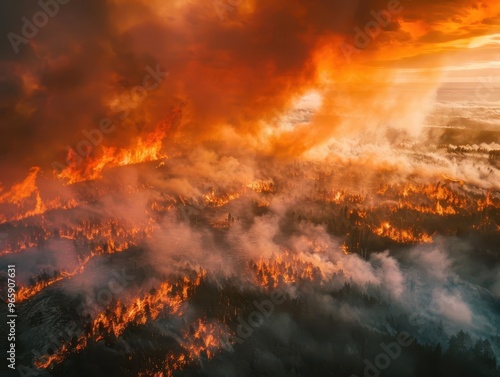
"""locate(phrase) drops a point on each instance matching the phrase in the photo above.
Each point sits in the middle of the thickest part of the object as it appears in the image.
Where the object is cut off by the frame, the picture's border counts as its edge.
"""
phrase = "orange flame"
(145, 149)
(23, 190)
(104, 238)
(284, 268)
(139, 311)
(402, 235)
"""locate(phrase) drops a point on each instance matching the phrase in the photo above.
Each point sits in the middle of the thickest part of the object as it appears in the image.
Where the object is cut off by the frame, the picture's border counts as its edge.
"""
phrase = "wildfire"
(345, 249)
(145, 148)
(401, 235)
(284, 268)
(168, 298)
(214, 200)
(352, 217)
(438, 209)
(199, 339)
(25, 240)
(448, 178)
(344, 196)
(23, 190)
(262, 203)
(27, 194)
(482, 204)
(260, 186)
(41, 207)
(107, 237)
(26, 292)
(204, 338)
(438, 199)
(148, 149)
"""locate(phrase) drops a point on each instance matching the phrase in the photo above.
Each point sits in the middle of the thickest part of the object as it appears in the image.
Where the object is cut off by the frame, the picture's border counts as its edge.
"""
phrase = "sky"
(234, 62)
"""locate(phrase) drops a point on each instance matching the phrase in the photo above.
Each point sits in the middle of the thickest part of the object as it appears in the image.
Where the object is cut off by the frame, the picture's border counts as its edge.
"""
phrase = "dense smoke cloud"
(305, 147)
(233, 73)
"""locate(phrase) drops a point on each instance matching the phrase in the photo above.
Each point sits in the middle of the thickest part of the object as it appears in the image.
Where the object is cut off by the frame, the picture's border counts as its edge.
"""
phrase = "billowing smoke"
(234, 72)
(259, 188)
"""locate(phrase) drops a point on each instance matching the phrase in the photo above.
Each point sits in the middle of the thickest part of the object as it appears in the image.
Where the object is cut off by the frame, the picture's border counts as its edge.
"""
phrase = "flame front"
(168, 298)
